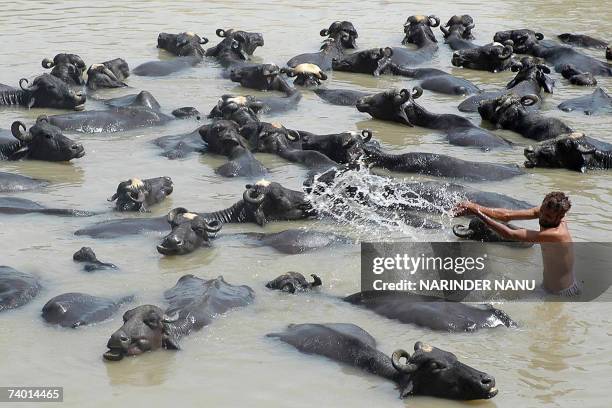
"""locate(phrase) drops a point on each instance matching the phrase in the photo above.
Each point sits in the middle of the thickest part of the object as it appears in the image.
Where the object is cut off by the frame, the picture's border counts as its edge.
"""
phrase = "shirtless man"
(554, 237)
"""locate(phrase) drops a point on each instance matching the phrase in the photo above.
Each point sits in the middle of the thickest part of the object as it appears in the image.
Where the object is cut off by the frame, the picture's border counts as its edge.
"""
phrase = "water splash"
(374, 206)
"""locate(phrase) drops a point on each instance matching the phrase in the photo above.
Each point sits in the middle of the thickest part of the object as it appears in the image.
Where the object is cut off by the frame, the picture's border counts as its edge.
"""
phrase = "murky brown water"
(559, 357)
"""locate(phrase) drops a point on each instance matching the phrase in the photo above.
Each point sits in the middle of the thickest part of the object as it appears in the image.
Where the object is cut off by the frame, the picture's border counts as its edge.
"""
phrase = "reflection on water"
(558, 357)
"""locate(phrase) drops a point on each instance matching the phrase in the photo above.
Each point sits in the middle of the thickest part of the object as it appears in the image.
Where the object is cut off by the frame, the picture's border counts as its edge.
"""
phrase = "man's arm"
(521, 234)
(502, 214)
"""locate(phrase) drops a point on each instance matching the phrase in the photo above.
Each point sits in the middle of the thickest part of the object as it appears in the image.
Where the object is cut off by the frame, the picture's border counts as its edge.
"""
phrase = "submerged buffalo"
(529, 42)
(223, 137)
(90, 261)
(80, 309)
(348, 147)
(14, 205)
(581, 40)
(261, 203)
(292, 282)
(597, 102)
(67, 67)
(400, 106)
(139, 195)
(477, 230)
(531, 78)
(46, 91)
(182, 145)
(494, 57)
(16, 288)
(42, 141)
(189, 232)
(11, 183)
(458, 32)
(577, 77)
(573, 152)
(187, 47)
(430, 311)
(142, 111)
(377, 61)
(236, 48)
(428, 371)
(510, 112)
(192, 304)
(297, 241)
(109, 74)
(341, 36)
(417, 31)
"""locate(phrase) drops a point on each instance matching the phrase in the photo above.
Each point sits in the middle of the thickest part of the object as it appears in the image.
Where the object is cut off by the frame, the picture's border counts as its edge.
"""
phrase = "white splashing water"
(362, 201)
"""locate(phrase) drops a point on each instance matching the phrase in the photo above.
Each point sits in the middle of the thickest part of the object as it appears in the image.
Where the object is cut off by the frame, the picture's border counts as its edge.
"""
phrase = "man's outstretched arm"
(521, 234)
(502, 214)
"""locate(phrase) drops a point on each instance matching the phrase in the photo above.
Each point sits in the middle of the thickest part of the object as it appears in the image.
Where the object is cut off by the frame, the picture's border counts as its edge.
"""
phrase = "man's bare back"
(554, 237)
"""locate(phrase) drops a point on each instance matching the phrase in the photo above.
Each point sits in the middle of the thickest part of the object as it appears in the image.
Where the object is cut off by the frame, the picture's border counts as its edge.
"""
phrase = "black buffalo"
(46, 91)
(193, 303)
(42, 141)
(139, 195)
(428, 371)
(189, 232)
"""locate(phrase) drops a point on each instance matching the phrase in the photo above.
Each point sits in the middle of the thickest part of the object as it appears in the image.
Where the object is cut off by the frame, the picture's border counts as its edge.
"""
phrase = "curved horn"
(444, 31)
(508, 52)
(22, 81)
(212, 226)
(324, 32)
(462, 231)
(434, 21)
(316, 280)
(399, 366)
(175, 213)
(48, 63)
(140, 197)
(113, 198)
(18, 133)
(220, 33)
(203, 40)
(539, 36)
(322, 76)
(366, 135)
(293, 135)
(529, 100)
(417, 91)
(470, 27)
(246, 196)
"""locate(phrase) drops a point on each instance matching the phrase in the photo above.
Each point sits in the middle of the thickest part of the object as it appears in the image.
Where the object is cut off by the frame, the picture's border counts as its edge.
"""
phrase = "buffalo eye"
(49, 136)
(434, 366)
(152, 320)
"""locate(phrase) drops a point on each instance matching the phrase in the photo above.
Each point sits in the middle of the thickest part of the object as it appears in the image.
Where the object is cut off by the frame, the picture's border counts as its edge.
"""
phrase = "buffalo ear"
(406, 389)
(170, 342)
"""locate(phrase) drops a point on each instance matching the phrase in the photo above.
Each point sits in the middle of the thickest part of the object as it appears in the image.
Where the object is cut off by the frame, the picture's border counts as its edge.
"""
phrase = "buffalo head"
(390, 105)
(342, 31)
(492, 57)
(417, 29)
(45, 142)
(438, 373)
(145, 328)
(373, 61)
(460, 25)
(189, 232)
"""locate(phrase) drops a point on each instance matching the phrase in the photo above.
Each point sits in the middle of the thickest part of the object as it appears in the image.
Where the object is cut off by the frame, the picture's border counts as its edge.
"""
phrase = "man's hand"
(463, 208)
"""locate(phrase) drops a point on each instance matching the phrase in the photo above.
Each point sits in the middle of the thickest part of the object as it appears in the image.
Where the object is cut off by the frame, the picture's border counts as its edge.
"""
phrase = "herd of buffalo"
(235, 130)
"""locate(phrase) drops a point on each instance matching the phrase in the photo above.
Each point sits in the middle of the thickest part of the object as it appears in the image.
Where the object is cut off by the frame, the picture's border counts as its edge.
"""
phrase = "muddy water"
(559, 357)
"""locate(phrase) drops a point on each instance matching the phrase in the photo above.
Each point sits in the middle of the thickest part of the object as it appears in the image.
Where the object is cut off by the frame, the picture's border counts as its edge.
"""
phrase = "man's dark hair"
(557, 201)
